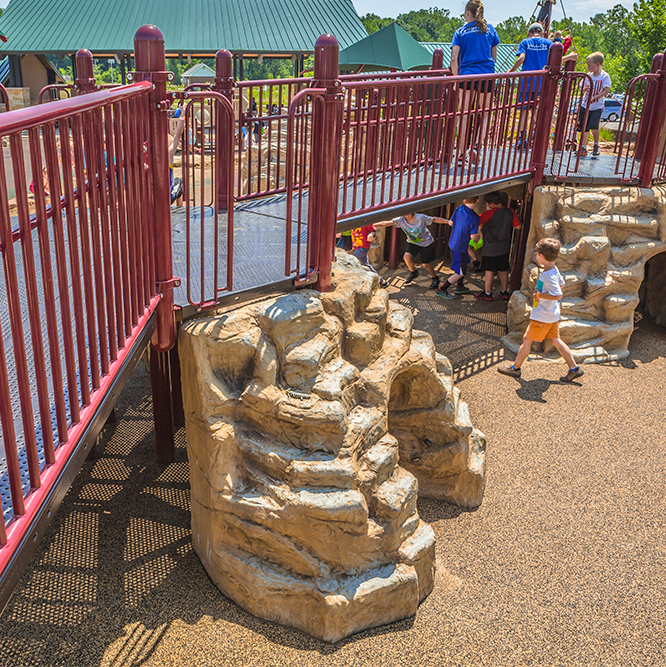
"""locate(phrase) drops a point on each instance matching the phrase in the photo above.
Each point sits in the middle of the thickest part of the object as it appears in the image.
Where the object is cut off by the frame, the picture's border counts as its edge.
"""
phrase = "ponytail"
(475, 7)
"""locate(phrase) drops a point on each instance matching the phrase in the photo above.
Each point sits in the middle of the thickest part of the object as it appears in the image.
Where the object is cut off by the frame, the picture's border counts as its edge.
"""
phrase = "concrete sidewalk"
(563, 564)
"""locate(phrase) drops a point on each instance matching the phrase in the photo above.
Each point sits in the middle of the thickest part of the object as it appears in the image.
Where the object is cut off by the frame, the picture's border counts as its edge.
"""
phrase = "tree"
(373, 23)
(647, 23)
(430, 25)
(512, 30)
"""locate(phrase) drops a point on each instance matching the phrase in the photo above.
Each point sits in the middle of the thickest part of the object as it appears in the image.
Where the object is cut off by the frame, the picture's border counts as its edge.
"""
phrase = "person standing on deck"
(473, 51)
(545, 13)
(532, 56)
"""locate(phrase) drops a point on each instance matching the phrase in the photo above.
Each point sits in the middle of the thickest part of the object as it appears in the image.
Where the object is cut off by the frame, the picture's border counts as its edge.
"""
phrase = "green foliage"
(513, 30)
(647, 24)
(424, 25)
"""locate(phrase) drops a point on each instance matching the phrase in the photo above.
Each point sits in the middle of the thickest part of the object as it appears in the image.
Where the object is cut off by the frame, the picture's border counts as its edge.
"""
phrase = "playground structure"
(88, 267)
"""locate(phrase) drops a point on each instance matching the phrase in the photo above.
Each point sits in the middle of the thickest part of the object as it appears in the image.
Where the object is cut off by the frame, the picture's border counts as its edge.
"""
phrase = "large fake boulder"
(313, 420)
(607, 236)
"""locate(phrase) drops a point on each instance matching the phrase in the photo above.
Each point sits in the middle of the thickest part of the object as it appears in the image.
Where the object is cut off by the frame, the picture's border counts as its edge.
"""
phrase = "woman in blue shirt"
(474, 51)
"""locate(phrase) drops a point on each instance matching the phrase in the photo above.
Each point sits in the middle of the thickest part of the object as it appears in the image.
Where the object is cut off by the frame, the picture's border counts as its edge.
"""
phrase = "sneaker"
(595, 150)
(444, 294)
(509, 370)
(434, 283)
(483, 296)
(505, 295)
(572, 374)
(411, 277)
(461, 289)
(583, 152)
(383, 282)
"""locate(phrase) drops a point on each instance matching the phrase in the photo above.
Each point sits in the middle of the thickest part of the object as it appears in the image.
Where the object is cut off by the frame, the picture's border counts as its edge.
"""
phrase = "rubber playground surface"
(563, 563)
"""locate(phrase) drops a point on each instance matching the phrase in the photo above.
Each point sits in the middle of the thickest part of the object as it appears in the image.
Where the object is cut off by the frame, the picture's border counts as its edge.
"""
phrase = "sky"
(495, 10)
(578, 10)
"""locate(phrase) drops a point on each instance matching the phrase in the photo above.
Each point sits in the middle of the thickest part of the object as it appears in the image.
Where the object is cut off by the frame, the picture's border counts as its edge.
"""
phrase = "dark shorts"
(481, 86)
(459, 262)
(427, 252)
(592, 119)
(498, 263)
(344, 242)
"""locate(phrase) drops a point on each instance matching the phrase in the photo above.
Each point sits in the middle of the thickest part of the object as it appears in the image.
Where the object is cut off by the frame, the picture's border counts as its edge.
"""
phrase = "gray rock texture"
(607, 236)
(312, 422)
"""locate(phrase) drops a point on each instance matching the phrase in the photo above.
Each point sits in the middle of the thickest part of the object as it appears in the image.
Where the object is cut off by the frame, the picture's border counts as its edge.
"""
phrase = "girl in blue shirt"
(474, 51)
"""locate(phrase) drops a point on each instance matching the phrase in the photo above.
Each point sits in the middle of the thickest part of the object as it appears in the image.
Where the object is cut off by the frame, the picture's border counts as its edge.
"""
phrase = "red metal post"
(545, 114)
(325, 160)
(563, 107)
(646, 116)
(151, 66)
(224, 84)
(654, 129)
(5, 97)
(85, 73)
(438, 59)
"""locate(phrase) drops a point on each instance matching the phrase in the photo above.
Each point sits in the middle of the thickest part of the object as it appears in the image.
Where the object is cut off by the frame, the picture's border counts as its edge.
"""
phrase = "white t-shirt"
(417, 232)
(598, 84)
(547, 310)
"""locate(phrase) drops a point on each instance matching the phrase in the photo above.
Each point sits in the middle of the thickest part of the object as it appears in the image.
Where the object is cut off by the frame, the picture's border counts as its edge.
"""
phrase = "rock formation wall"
(607, 236)
(309, 419)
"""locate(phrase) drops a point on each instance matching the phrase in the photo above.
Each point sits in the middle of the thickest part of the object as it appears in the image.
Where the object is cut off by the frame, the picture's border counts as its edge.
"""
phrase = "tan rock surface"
(607, 237)
(313, 422)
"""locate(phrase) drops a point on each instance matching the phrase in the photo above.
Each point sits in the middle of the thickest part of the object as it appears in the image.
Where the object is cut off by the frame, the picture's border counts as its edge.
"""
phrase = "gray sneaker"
(444, 294)
(572, 374)
(509, 370)
(595, 150)
(461, 289)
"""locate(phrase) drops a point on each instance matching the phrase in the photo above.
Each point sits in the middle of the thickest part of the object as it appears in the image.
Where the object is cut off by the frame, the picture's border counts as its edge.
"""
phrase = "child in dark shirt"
(496, 227)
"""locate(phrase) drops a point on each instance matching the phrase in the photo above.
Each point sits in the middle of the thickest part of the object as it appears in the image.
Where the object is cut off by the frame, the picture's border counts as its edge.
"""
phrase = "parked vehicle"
(612, 109)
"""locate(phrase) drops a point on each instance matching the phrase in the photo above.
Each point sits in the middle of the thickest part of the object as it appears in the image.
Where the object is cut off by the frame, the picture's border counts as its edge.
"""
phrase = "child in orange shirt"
(362, 239)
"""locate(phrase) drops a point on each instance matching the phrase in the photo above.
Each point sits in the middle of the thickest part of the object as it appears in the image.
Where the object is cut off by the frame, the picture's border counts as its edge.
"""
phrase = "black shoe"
(434, 283)
(383, 282)
(483, 296)
(595, 150)
(461, 289)
(411, 277)
(505, 295)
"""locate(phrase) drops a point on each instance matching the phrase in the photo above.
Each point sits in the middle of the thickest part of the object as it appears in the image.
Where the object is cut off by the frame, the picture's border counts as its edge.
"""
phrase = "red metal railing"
(82, 253)
(5, 97)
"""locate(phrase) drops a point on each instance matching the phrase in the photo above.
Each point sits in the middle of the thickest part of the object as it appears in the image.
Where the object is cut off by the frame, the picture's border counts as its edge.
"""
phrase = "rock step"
(378, 462)
(394, 501)
(329, 609)
(296, 466)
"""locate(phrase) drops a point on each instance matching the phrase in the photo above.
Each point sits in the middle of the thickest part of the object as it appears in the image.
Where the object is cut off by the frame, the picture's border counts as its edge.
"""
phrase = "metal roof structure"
(389, 48)
(506, 54)
(199, 70)
(107, 27)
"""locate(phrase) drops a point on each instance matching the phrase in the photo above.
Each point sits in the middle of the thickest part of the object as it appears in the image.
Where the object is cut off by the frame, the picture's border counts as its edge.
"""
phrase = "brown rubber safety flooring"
(563, 564)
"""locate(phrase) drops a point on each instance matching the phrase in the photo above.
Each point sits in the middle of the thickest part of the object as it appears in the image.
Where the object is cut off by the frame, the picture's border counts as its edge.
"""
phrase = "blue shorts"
(459, 262)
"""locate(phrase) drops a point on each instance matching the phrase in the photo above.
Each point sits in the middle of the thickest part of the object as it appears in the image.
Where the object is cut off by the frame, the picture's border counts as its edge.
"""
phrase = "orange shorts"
(538, 331)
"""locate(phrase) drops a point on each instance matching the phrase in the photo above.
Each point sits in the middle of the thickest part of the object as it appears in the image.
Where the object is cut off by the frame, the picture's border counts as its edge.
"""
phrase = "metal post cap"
(326, 54)
(149, 33)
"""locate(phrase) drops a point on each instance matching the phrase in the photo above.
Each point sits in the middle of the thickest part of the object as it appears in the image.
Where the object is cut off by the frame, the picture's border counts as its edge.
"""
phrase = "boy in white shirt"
(545, 317)
(601, 85)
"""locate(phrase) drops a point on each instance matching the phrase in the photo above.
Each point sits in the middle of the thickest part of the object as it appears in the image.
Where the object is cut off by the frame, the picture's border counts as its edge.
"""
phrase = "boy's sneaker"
(461, 289)
(443, 292)
(595, 150)
(505, 295)
(434, 283)
(483, 296)
(411, 277)
(572, 374)
(383, 282)
(509, 370)
(583, 152)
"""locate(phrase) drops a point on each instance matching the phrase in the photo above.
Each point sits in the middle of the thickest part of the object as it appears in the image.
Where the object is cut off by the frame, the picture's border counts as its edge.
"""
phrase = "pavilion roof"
(106, 27)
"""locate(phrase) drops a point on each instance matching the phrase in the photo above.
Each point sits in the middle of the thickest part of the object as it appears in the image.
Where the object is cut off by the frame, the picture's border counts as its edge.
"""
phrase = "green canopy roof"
(506, 54)
(195, 26)
(388, 48)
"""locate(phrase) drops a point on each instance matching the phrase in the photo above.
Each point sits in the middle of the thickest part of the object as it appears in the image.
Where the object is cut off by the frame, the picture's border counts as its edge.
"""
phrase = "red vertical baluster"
(34, 315)
(657, 114)
(325, 159)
